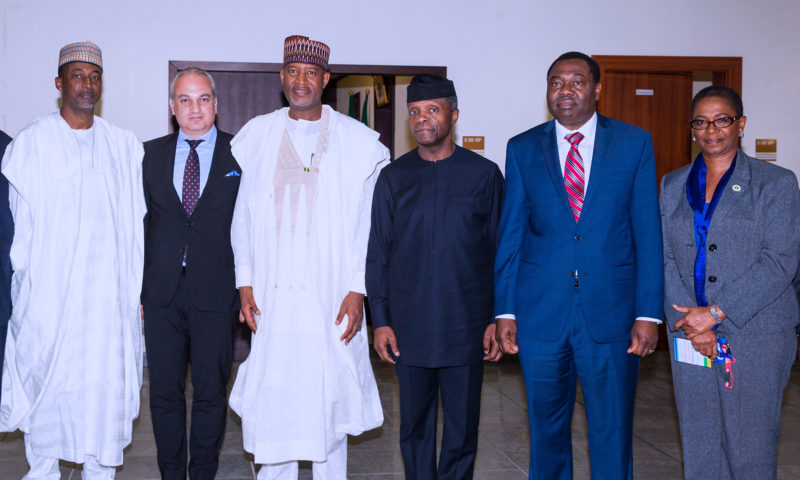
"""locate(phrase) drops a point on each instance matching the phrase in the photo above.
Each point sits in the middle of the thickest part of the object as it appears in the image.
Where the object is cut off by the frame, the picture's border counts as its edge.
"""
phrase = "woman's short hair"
(726, 93)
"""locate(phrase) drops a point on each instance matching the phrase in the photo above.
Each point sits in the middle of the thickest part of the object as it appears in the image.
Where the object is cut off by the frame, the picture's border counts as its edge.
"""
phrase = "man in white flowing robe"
(299, 236)
(73, 361)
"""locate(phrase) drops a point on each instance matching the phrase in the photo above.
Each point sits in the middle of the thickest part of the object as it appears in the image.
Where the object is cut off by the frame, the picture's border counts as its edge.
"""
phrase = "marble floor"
(503, 444)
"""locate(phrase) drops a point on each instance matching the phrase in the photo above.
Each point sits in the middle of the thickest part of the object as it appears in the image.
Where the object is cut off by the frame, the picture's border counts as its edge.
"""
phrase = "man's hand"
(506, 335)
(249, 308)
(491, 349)
(696, 320)
(384, 337)
(141, 311)
(353, 307)
(644, 337)
(706, 343)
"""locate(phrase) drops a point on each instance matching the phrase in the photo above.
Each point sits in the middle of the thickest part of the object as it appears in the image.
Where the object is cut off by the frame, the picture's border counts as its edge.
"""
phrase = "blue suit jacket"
(615, 247)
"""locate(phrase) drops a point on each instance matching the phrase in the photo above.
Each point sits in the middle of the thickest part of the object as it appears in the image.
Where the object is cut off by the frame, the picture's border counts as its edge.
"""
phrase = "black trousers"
(460, 388)
(176, 335)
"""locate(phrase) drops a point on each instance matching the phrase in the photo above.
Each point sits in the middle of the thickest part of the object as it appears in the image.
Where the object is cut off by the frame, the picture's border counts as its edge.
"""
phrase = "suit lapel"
(217, 171)
(681, 218)
(169, 169)
(600, 160)
(549, 149)
(732, 197)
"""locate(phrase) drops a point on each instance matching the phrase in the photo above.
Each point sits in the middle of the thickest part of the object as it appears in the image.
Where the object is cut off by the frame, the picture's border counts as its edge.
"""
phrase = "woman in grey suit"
(731, 228)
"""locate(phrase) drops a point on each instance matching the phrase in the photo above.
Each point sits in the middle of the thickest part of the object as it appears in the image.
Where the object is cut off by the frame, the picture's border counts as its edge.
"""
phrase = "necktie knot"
(574, 138)
(193, 143)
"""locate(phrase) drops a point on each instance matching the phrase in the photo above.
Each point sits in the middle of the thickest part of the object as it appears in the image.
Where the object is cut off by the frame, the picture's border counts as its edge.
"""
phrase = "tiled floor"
(503, 444)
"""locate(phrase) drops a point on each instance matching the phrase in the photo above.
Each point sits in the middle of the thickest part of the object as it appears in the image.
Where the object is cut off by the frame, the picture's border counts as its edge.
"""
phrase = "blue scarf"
(696, 193)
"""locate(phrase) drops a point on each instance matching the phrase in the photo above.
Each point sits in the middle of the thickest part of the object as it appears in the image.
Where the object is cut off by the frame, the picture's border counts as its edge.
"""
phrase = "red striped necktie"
(573, 175)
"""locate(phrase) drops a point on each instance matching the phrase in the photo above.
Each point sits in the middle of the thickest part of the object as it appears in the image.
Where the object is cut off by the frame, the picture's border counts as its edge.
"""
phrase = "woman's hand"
(696, 320)
(706, 344)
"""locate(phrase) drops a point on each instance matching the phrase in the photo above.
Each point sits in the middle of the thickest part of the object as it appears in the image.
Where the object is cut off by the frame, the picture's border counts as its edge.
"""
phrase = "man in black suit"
(188, 294)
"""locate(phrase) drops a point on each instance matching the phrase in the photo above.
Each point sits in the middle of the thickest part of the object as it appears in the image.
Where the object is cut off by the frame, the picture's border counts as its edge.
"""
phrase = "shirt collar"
(210, 137)
(588, 130)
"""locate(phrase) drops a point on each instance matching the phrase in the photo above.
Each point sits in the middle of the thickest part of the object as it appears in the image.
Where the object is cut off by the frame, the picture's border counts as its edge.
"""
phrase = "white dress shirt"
(205, 153)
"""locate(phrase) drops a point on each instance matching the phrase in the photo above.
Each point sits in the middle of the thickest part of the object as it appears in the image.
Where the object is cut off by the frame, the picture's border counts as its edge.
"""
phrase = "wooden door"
(667, 76)
(657, 102)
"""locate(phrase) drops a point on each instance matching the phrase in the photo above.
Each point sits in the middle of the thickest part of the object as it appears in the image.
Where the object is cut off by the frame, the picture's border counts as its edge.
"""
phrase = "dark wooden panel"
(248, 89)
(177, 65)
(384, 116)
(244, 95)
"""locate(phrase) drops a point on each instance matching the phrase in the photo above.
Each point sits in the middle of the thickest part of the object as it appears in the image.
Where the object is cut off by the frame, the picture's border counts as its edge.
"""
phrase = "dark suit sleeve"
(496, 210)
(778, 256)
(647, 239)
(510, 236)
(796, 286)
(378, 250)
(496, 207)
(146, 190)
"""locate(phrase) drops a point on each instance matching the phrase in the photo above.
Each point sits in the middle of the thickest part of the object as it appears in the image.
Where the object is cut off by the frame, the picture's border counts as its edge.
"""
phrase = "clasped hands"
(697, 324)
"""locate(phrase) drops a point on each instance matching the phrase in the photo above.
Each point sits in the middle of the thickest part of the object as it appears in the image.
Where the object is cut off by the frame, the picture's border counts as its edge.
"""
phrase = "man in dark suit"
(432, 242)
(6, 236)
(579, 273)
(188, 294)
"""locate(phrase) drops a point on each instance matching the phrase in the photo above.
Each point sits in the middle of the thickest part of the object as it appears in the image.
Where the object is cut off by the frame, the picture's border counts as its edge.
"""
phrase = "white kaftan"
(73, 361)
(299, 238)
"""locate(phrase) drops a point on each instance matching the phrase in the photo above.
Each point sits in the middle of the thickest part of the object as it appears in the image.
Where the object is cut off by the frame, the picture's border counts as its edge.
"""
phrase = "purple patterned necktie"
(573, 175)
(191, 184)
(191, 179)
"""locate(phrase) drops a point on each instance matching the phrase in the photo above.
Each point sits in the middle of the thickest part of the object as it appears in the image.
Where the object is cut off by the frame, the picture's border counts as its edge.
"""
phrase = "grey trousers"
(733, 433)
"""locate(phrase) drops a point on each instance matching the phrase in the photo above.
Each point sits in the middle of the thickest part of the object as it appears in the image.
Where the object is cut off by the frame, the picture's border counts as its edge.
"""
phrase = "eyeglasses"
(721, 122)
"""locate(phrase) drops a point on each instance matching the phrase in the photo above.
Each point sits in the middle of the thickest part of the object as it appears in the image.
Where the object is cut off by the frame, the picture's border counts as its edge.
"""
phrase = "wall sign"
(767, 149)
(476, 144)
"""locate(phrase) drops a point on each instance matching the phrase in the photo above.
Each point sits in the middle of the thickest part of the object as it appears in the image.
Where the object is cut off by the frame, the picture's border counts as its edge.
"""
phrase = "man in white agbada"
(299, 236)
(73, 367)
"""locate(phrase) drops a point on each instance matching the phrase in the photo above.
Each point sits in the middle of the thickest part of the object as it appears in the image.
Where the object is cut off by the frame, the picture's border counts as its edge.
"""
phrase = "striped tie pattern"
(573, 175)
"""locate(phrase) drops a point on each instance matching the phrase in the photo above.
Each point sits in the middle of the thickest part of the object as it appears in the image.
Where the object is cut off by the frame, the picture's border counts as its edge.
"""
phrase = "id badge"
(685, 353)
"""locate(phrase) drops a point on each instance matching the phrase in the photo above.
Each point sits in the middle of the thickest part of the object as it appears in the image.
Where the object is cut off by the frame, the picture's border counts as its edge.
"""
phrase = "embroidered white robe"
(73, 361)
(301, 244)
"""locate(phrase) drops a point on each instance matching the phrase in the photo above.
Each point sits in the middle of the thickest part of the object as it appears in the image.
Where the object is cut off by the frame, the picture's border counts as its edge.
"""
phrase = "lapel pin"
(736, 188)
